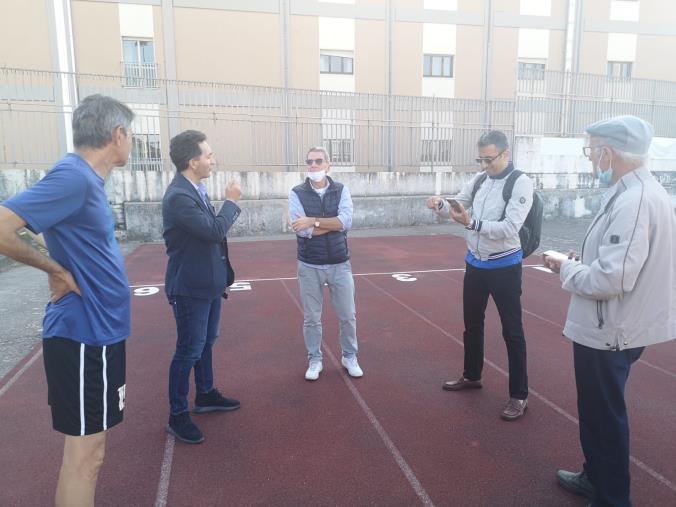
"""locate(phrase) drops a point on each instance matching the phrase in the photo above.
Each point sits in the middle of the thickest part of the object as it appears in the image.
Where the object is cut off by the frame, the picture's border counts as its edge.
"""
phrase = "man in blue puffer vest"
(321, 214)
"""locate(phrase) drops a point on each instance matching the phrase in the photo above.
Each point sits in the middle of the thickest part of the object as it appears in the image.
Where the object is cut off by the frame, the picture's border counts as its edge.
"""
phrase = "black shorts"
(86, 385)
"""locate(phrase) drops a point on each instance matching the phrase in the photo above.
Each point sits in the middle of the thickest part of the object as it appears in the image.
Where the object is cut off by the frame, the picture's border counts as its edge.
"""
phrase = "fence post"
(514, 130)
(654, 97)
(368, 132)
(388, 120)
(286, 134)
(565, 105)
(436, 145)
(390, 134)
(284, 12)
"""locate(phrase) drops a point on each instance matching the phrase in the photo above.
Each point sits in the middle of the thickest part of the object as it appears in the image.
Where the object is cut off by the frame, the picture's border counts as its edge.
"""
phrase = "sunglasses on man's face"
(317, 161)
(488, 160)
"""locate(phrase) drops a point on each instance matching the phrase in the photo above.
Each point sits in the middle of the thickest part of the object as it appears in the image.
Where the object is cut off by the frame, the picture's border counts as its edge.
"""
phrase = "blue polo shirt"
(69, 206)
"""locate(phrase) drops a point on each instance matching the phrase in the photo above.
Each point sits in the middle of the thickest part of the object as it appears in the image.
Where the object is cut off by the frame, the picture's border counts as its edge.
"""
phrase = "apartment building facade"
(384, 84)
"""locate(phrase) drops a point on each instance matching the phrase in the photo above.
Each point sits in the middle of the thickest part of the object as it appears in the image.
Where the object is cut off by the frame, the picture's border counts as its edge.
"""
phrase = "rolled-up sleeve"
(345, 209)
(296, 211)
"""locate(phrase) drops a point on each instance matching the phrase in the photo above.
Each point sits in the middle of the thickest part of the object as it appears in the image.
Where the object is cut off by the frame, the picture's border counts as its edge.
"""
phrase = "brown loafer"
(514, 409)
(462, 383)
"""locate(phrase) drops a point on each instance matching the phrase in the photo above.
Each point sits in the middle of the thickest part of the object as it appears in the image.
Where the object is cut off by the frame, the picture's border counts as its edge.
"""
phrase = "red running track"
(391, 438)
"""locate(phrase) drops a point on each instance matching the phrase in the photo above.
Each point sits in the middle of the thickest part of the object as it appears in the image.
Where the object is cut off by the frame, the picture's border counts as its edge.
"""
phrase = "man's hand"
(554, 262)
(232, 191)
(60, 284)
(460, 214)
(434, 202)
(302, 223)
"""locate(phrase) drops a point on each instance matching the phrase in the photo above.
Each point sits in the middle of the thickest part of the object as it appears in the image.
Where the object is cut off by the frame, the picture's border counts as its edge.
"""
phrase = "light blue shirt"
(296, 211)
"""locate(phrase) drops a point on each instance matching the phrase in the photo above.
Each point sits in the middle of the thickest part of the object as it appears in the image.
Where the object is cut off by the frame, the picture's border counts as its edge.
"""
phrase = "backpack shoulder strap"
(477, 184)
(508, 188)
(509, 185)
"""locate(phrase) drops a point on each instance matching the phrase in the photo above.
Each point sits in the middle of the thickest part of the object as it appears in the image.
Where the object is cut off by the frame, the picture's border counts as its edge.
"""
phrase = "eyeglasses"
(317, 161)
(488, 160)
(586, 150)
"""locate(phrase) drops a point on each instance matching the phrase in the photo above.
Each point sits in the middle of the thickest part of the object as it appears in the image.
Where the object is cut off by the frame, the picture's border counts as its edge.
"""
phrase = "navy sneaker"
(182, 427)
(214, 401)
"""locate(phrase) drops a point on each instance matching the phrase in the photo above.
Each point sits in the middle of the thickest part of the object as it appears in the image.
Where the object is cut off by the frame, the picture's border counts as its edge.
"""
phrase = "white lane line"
(165, 473)
(21, 371)
(389, 444)
(389, 273)
(662, 370)
(559, 325)
(542, 268)
(647, 469)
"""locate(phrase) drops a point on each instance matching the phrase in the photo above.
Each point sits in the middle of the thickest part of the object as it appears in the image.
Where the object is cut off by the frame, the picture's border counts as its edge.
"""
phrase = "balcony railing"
(145, 164)
(139, 75)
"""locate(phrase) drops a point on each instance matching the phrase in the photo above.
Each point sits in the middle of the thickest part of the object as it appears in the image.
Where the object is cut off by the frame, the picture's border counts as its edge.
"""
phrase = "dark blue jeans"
(600, 376)
(197, 330)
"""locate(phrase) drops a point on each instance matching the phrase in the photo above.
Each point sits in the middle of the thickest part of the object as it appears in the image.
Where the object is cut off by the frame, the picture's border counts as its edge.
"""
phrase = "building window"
(624, 10)
(138, 67)
(436, 151)
(145, 153)
(438, 66)
(340, 151)
(532, 70)
(333, 64)
(619, 69)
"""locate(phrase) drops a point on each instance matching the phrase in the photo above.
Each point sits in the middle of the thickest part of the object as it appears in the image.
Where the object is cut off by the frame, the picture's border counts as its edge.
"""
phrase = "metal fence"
(557, 103)
(266, 128)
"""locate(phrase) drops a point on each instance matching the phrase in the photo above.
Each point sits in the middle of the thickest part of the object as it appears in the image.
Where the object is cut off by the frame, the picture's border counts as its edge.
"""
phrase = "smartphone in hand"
(557, 256)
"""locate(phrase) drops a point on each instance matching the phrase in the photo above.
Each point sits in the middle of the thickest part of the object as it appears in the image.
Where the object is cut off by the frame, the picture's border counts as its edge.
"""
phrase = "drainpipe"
(63, 63)
(488, 59)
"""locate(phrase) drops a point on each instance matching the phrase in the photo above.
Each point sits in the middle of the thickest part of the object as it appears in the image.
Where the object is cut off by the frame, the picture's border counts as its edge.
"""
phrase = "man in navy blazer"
(198, 273)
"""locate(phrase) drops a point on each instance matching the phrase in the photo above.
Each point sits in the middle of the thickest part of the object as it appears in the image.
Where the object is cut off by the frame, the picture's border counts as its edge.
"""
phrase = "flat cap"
(624, 133)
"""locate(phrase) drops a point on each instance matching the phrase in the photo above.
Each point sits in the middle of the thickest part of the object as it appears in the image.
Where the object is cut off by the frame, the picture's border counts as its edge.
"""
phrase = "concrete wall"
(407, 63)
(370, 64)
(303, 52)
(24, 27)
(270, 216)
(381, 199)
(227, 59)
(89, 32)
(654, 13)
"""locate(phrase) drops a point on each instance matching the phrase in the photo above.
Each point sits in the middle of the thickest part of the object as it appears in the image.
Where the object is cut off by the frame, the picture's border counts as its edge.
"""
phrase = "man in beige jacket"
(623, 298)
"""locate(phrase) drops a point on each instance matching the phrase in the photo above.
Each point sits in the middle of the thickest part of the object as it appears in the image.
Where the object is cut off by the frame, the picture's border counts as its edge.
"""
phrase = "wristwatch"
(316, 224)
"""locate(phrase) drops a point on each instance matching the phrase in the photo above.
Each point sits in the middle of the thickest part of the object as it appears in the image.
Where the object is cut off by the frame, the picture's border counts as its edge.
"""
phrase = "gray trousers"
(311, 282)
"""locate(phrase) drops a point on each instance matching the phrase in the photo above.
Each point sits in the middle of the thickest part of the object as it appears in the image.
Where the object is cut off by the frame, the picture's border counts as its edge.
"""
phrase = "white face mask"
(316, 176)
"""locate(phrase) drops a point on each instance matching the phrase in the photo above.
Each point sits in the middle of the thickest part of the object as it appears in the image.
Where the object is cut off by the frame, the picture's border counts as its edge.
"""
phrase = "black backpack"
(530, 231)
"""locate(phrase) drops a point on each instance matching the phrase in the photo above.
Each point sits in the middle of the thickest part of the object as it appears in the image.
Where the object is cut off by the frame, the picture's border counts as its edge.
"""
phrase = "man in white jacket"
(623, 298)
(493, 264)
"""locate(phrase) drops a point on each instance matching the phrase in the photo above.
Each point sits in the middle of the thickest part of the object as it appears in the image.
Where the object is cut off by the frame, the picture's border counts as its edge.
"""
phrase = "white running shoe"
(352, 366)
(314, 370)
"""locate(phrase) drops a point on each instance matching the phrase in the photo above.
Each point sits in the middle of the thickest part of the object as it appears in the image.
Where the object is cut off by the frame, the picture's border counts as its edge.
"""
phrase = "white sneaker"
(352, 366)
(313, 370)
